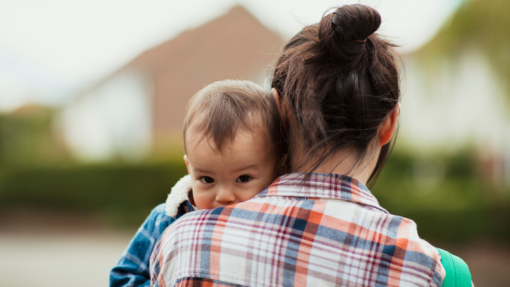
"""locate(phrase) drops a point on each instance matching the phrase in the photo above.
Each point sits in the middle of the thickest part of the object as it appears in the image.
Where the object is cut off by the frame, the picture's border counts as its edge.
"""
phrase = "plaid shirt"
(328, 230)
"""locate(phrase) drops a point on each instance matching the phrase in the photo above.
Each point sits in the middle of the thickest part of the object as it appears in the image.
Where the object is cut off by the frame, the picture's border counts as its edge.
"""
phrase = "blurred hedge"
(456, 204)
(119, 194)
(445, 196)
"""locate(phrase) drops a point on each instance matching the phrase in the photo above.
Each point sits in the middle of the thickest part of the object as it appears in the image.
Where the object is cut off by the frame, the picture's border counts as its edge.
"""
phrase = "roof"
(233, 46)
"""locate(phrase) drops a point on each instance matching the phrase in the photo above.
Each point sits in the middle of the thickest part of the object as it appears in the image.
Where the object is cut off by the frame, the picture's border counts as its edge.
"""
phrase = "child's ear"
(187, 163)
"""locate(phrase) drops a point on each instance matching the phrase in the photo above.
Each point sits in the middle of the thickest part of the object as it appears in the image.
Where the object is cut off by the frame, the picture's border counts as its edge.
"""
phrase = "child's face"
(243, 169)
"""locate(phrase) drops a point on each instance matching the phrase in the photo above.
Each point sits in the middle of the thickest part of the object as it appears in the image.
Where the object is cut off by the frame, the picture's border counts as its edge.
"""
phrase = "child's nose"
(225, 196)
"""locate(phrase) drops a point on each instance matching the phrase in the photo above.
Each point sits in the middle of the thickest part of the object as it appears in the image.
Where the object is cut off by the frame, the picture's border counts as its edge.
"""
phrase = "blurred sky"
(51, 48)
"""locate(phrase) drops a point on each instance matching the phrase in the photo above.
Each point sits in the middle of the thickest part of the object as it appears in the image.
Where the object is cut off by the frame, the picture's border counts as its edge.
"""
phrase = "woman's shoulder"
(400, 228)
(404, 241)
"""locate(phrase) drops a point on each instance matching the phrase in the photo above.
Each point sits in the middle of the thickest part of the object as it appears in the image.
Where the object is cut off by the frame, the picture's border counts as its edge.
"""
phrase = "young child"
(234, 149)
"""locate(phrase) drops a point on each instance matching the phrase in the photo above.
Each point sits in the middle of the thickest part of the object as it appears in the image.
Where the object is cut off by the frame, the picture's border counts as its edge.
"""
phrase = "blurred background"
(92, 96)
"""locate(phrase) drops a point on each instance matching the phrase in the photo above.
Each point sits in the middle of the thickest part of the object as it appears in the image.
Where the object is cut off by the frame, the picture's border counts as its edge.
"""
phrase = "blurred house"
(142, 105)
(455, 88)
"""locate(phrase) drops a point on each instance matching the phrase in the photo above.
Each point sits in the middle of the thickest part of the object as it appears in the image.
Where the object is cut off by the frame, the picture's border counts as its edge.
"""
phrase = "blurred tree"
(27, 137)
(479, 25)
(466, 68)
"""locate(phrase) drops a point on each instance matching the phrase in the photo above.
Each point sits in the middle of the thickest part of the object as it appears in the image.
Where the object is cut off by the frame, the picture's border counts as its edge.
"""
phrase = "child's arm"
(133, 267)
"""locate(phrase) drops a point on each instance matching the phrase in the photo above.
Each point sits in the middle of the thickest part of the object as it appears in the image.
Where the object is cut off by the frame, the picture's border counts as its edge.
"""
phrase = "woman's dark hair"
(340, 81)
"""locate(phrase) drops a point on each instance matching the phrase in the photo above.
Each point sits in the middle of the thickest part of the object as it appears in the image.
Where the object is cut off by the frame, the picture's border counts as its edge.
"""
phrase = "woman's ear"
(283, 107)
(279, 104)
(388, 126)
(187, 163)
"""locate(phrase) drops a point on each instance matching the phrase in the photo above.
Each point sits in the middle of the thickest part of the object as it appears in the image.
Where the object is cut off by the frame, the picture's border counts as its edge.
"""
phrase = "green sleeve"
(457, 271)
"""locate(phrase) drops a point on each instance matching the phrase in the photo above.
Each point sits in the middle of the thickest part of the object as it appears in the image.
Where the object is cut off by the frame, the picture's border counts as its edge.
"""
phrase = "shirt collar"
(321, 185)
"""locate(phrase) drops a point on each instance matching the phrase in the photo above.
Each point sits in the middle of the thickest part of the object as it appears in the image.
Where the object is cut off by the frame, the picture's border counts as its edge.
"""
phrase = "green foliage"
(27, 137)
(447, 196)
(119, 194)
(477, 25)
(448, 199)
(444, 195)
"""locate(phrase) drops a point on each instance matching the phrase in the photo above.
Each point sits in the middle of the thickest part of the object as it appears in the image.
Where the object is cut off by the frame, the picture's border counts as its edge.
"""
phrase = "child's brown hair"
(221, 108)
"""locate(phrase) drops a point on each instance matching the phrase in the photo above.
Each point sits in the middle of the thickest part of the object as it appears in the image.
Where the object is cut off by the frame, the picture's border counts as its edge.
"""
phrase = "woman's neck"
(341, 162)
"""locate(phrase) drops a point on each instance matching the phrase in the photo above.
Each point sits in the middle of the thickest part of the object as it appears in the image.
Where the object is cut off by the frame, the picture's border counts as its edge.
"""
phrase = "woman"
(336, 88)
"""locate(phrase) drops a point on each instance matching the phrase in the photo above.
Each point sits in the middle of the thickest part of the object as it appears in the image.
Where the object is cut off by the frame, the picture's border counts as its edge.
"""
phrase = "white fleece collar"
(178, 195)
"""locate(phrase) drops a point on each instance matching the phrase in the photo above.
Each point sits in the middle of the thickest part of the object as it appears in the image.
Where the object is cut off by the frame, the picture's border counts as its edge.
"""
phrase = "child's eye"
(243, 178)
(206, 179)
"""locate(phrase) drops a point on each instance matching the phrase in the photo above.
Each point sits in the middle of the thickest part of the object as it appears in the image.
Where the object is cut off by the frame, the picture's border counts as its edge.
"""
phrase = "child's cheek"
(202, 200)
(197, 194)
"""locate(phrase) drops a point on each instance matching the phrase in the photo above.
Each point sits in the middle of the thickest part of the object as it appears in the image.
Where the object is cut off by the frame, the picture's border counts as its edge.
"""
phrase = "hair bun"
(355, 22)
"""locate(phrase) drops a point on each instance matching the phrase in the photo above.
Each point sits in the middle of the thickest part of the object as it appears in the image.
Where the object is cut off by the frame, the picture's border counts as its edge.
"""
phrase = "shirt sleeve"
(133, 267)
